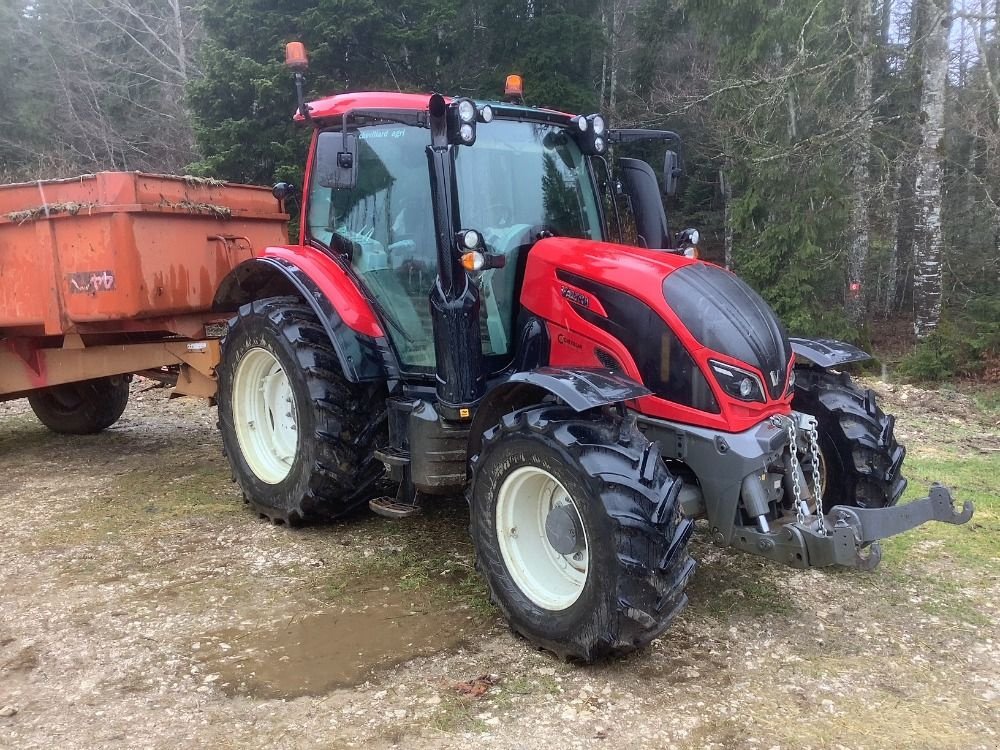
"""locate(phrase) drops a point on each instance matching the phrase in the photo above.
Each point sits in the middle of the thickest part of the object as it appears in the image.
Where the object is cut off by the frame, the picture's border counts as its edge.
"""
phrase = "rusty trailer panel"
(108, 251)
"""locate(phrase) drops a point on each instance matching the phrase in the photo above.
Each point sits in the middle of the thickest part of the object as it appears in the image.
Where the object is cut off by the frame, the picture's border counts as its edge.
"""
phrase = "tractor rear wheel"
(83, 408)
(300, 438)
(578, 533)
(861, 460)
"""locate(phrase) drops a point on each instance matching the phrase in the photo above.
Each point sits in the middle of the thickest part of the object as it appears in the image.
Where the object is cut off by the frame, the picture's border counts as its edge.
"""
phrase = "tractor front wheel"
(861, 460)
(577, 532)
(299, 437)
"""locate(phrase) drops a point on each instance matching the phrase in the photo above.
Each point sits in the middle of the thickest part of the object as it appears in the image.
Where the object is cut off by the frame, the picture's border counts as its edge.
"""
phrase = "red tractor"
(460, 314)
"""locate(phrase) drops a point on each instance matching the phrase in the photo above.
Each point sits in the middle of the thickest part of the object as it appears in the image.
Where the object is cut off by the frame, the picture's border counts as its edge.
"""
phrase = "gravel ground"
(142, 606)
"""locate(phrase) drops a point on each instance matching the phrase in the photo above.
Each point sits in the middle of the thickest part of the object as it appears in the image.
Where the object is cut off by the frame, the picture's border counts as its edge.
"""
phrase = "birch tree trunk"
(860, 173)
(928, 245)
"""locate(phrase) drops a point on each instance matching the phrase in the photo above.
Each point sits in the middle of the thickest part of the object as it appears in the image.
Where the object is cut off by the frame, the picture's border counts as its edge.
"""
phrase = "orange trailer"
(115, 273)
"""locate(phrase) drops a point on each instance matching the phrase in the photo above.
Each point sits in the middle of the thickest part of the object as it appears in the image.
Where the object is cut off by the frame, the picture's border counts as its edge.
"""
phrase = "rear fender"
(826, 353)
(580, 388)
(346, 316)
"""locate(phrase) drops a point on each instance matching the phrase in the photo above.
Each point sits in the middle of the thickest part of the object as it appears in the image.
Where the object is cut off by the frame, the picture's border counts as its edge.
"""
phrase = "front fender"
(826, 353)
(357, 337)
(582, 388)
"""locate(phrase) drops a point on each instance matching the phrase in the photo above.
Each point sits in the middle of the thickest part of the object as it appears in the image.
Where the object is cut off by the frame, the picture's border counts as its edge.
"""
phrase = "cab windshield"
(518, 181)
(522, 176)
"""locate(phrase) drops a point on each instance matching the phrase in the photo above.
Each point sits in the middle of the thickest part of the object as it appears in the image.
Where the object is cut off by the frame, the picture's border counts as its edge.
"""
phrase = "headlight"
(467, 134)
(598, 123)
(486, 113)
(737, 382)
(466, 110)
(599, 145)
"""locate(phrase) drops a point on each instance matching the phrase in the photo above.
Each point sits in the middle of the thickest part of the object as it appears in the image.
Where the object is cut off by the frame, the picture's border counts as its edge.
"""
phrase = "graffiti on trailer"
(91, 282)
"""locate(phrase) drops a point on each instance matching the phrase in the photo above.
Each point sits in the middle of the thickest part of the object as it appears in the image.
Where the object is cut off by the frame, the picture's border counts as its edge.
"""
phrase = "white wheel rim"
(265, 416)
(551, 580)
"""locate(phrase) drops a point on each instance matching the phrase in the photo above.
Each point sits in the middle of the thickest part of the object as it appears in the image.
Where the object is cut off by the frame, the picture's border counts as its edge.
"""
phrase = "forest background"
(843, 158)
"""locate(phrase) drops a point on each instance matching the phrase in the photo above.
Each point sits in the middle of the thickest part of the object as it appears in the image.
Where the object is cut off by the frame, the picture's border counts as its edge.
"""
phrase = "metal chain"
(817, 484)
(793, 450)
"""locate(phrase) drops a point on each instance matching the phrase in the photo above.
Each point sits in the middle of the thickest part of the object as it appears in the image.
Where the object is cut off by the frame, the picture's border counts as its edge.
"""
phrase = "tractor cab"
(521, 180)
(514, 175)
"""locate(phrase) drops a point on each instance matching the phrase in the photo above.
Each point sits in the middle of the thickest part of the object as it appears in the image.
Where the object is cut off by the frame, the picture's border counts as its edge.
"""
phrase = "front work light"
(590, 133)
(470, 239)
(466, 110)
(462, 114)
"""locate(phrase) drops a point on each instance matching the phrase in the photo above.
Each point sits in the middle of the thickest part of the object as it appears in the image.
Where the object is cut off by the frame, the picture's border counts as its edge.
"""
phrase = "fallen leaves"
(477, 687)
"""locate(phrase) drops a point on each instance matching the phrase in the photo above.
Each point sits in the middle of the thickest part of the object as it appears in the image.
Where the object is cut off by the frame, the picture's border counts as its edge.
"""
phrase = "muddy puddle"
(313, 653)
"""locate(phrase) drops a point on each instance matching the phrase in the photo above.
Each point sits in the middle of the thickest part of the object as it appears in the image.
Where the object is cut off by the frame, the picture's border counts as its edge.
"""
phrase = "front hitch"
(848, 536)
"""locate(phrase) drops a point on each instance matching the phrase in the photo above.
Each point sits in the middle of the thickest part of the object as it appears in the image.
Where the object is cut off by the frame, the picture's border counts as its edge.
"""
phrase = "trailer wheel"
(299, 437)
(861, 461)
(83, 408)
(578, 533)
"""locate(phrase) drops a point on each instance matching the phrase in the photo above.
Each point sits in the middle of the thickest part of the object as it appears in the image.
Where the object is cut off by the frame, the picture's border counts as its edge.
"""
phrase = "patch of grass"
(145, 500)
(987, 398)
(430, 556)
(738, 586)
(458, 714)
(975, 544)
(521, 685)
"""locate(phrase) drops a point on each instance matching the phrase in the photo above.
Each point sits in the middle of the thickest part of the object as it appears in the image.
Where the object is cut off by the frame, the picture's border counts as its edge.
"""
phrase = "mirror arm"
(300, 81)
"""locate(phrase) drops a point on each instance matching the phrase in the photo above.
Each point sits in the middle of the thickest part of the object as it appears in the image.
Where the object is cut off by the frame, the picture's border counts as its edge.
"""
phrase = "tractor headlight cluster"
(591, 134)
(737, 382)
(462, 116)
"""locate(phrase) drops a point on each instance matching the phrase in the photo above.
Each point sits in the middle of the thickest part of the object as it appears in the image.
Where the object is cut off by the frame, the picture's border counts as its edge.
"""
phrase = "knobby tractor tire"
(337, 423)
(862, 460)
(637, 543)
(82, 408)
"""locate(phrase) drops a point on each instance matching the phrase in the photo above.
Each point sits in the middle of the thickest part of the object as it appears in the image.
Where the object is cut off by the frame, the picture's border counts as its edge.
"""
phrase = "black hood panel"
(727, 316)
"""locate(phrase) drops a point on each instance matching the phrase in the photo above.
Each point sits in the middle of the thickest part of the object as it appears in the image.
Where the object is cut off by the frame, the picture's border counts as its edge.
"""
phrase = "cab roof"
(341, 104)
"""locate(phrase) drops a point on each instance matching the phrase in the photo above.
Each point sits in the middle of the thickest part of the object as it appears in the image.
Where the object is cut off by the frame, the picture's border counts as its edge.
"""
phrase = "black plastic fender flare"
(363, 358)
(826, 353)
(580, 388)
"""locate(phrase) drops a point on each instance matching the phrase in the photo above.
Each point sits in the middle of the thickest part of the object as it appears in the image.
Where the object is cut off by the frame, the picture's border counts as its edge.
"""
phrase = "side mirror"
(639, 184)
(671, 172)
(284, 190)
(337, 160)
(687, 242)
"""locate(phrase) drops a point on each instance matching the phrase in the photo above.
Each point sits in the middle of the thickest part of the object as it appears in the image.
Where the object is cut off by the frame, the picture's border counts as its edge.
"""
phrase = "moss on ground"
(429, 556)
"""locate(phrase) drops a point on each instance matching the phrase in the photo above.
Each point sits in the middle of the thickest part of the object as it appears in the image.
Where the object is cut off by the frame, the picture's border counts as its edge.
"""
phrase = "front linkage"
(849, 536)
(750, 475)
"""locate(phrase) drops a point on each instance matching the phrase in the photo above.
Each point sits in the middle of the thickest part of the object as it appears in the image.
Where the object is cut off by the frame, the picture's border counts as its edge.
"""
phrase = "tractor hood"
(707, 306)
(725, 315)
